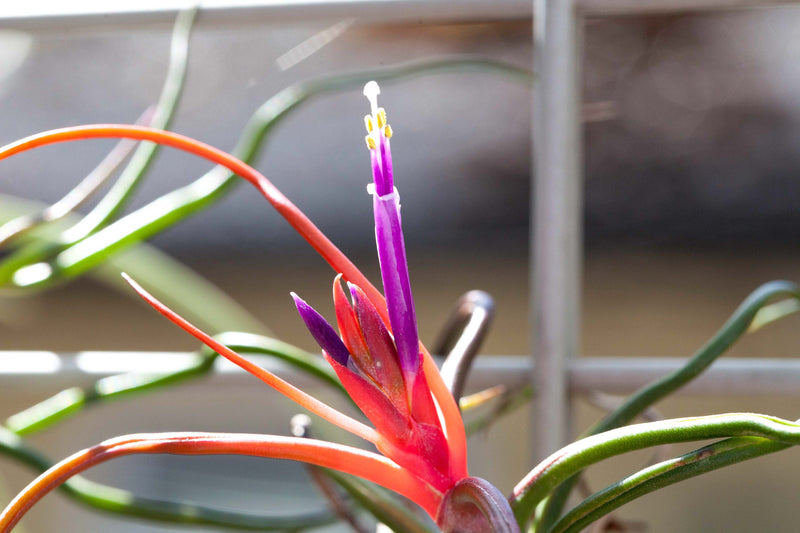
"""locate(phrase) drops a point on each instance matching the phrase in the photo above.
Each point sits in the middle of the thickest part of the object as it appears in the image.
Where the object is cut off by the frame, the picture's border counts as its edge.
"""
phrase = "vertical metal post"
(557, 220)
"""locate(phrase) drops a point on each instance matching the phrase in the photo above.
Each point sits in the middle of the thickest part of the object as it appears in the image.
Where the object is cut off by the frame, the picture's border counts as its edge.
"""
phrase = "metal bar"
(35, 371)
(640, 7)
(556, 222)
(623, 375)
(79, 15)
(84, 15)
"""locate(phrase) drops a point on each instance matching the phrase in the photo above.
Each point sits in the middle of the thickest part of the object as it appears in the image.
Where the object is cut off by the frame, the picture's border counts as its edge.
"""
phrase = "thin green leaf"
(182, 203)
(692, 464)
(314, 365)
(143, 157)
(179, 286)
(573, 458)
(77, 196)
(73, 400)
(116, 198)
(725, 337)
(772, 313)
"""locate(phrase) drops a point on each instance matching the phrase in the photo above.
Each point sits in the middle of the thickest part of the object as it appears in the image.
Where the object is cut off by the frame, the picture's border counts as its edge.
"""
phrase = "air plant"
(379, 359)
(416, 443)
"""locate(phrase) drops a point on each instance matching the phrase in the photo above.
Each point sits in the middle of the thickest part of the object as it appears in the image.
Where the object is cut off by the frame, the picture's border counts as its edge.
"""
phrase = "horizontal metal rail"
(615, 375)
(638, 7)
(624, 375)
(85, 15)
(129, 14)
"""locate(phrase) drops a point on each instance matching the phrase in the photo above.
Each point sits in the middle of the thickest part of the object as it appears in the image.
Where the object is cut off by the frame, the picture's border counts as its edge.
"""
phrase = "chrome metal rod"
(84, 14)
(34, 371)
(623, 375)
(556, 226)
(638, 7)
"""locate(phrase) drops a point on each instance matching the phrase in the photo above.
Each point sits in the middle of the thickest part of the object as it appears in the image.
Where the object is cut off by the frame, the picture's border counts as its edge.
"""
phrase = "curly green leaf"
(695, 463)
(571, 459)
(184, 202)
(725, 337)
(175, 283)
(116, 198)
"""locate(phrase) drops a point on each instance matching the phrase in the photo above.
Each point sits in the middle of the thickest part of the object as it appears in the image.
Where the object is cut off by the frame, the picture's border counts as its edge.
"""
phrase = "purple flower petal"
(396, 284)
(389, 237)
(386, 162)
(377, 173)
(322, 331)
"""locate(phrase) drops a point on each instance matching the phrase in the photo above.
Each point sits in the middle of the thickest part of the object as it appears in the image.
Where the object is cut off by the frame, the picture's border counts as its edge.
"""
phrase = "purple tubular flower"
(389, 237)
(386, 158)
(396, 285)
(377, 173)
(322, 331)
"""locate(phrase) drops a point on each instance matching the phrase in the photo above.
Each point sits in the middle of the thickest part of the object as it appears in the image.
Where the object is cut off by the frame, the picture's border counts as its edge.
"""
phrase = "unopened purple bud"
(322, 331)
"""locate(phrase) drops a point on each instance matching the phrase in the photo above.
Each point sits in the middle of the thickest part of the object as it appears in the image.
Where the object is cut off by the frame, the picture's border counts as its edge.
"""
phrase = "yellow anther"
(388, 131)
(381, 116)
(368, 123)
(370, 142)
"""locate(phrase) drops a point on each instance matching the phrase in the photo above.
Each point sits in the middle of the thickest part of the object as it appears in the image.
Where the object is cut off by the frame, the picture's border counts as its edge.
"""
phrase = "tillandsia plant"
(416, 428)
(379, 359)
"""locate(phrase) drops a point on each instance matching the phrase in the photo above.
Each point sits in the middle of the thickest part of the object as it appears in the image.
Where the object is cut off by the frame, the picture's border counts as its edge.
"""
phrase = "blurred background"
(691, 126)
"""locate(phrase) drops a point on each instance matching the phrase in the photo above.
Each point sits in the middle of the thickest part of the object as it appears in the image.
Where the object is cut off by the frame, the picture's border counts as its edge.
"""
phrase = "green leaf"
(122, 190)
(573, 458)
(725, 337)
(173, 207)
(686, 466)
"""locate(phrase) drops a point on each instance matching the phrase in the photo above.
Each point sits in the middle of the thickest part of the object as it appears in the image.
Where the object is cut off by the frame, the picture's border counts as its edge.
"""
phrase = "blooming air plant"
(416, 438)
(377, 355)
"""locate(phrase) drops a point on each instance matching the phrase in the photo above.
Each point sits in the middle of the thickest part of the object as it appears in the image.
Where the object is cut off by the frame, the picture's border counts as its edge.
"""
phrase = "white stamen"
(371, 91)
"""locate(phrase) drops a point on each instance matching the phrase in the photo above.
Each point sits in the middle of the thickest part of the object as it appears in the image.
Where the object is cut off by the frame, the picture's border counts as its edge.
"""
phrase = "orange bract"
(360, 463)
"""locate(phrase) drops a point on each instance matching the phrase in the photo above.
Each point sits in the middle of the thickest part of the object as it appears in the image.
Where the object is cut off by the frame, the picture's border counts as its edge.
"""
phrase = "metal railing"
(556, 239)
(43, 371)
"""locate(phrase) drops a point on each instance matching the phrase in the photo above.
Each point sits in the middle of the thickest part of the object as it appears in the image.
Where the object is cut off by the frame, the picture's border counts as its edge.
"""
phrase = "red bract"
(370, 371)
